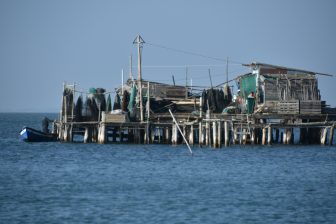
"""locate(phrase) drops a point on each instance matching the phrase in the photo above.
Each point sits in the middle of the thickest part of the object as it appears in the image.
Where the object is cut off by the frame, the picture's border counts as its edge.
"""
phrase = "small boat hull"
(32, 135)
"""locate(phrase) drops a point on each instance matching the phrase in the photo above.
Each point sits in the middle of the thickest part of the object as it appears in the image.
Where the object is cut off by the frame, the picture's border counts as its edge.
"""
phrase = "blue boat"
(32, 135)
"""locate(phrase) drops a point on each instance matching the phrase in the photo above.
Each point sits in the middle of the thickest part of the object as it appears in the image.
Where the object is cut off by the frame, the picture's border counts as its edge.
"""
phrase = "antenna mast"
(139, 41)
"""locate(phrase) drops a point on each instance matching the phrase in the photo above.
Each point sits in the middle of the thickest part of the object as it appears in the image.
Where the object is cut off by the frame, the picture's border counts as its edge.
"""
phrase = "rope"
(194, 54)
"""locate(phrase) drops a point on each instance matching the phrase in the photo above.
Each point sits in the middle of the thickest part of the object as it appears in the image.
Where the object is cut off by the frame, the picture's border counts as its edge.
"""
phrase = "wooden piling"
(207, 133)
(87, 135)
(253, 136)
(219, 143)
(102, 133)
(235, 135)
(226, 134)
(191, 135)
(200, 134)
(244, 136)
(263, 141)
(151, 133)
(167, 135)
(324, 136)
(288, 136)
(331, 134)
(269, 135)
(148, 132)
(174, 134)
(214, 134)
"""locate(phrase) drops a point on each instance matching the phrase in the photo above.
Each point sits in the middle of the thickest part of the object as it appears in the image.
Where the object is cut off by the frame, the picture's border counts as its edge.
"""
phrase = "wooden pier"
(216, 132)
(273, 105)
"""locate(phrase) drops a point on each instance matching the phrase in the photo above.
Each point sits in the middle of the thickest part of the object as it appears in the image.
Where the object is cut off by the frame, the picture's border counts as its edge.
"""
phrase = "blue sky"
(44, 43)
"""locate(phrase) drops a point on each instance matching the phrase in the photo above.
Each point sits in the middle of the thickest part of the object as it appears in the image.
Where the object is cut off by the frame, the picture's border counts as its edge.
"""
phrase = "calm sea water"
(90, 183)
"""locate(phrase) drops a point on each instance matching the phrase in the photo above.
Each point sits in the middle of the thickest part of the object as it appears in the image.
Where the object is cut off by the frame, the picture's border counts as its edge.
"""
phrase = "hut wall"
(292, 94)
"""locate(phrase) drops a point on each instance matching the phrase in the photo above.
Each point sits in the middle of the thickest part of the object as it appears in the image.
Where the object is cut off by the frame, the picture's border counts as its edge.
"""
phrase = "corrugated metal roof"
(259, 64)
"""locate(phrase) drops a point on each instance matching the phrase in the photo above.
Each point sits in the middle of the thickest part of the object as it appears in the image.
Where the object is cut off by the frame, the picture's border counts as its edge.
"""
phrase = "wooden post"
(285, 138)
(263, 141)
(102, 134)
(253, 136)
(94, 134)
(65, 110)
(191, 135)
(214, 134)
(174, 134)
(207, 133)
(99, 134)
(177, 126)
(269, 135)
(219, 143)
(167, 135)
(200, 134)
(241, 135)
(87, 135)
(60, 131)
(331, 134)
(71, 133)
(226, 133)
(65, 133)
(235, 135)
(324, 136)
(152, 134)
(159, 134)
(244, 133)
(288, 136)
(148, 134)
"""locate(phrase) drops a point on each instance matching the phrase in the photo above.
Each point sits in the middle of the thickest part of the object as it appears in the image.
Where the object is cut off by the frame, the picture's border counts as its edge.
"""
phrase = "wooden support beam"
(200, 134)
(226, 134)
(269, 135)
(324, 136)
(219, 143)
(87, 135)
(102, 133)
(331, 134)
(263, 141)
(288, 135)
(235, 135)
(191, 135)
(214, 134)
(207, 133)
(174, 134)
(253, 136)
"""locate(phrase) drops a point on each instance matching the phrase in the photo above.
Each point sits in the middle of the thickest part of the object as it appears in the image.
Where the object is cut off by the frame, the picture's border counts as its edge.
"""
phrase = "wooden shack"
(280, 90)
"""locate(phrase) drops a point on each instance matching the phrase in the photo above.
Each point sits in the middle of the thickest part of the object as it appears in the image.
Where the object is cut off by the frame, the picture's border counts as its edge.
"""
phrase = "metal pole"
(178, 127)
(139, 41)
